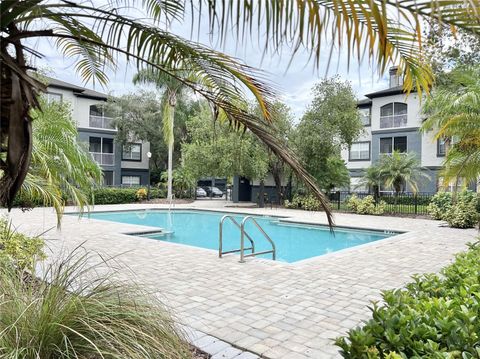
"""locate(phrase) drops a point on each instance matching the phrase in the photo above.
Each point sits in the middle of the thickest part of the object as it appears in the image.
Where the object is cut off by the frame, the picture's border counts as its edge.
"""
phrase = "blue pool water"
(294, 242)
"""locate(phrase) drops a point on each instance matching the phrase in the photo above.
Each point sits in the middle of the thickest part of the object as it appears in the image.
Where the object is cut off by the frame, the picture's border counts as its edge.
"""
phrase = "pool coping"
(286, 219)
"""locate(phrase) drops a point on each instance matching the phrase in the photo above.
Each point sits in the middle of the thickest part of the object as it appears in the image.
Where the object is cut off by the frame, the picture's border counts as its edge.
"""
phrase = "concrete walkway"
(274, 309)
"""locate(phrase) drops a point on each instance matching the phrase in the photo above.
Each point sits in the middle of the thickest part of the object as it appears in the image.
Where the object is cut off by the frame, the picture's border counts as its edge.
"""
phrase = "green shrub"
(306, 202)
(463, 214)
(365, 205)
(440, 203)
(141, 194)
(107, 195)
(114, 195)
(435, 316)
(73, 312)
(408, 200)
(19, 249)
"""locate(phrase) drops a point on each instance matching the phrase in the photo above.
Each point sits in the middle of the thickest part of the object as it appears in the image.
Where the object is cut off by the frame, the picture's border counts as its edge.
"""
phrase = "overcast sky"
(294, 82)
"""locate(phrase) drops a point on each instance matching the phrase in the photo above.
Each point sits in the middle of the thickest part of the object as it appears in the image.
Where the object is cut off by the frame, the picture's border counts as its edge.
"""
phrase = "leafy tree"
(447, 50)
(332, 121)
(139, 116)
(214, 149)
(96, 36)
(183, 181)
(282, 127)
(453, 111)
(61, 168)
(401, 170)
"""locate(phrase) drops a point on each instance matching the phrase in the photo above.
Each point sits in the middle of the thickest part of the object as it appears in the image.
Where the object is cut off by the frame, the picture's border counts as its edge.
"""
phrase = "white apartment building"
(392, 121)
(121, 165)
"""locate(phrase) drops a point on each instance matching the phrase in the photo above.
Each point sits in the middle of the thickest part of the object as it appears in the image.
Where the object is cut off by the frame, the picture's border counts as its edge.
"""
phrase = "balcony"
(393, 121)
(101, 122)
(106, 159)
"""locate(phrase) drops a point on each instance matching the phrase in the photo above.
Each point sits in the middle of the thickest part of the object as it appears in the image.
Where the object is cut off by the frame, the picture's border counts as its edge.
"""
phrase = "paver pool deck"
(274, 309)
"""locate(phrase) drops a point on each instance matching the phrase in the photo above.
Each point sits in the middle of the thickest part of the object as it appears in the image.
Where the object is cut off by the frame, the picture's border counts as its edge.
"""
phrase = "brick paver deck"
(277, 310)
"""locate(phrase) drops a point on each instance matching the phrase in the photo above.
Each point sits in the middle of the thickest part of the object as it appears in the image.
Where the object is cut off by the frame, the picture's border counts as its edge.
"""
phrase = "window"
(393, 115)
(442, 147)
(99, 119)
(131, 180)
(360, 151)
(101, 150)
(365, 116)
(52, 96)
(132, 152)
(108, 178)
(389, 144)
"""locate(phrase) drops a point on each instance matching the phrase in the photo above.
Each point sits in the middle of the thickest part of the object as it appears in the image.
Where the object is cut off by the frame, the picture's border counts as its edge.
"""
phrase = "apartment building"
(121, 165)
(392, 121)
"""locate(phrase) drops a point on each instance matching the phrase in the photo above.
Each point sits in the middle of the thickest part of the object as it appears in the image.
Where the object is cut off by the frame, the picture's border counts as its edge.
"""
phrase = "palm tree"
(61, 168)
(372, 179)
(96, 36)
(453, 112)
(172, 90)
(401, 170)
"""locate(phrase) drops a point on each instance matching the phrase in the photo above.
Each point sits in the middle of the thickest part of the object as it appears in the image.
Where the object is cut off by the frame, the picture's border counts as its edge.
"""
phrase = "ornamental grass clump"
(72, 311)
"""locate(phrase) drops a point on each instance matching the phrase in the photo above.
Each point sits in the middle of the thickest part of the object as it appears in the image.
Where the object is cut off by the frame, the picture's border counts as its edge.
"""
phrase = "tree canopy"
(215, 149)
(331, 122)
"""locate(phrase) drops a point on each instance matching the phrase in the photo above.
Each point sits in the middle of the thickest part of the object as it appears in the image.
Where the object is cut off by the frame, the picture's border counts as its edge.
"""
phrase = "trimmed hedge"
(114, 195)
(435, 316)
(422, 199)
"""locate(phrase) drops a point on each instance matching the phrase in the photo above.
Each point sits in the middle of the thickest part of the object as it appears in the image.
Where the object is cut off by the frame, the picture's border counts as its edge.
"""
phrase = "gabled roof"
(77, 90)
(397, 90)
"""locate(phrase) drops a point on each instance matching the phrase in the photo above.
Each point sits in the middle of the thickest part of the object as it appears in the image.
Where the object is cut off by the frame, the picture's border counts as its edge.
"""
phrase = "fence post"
(338, 203)
(416, 203)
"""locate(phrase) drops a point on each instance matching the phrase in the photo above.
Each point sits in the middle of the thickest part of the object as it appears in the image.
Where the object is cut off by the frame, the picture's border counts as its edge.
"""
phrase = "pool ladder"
(243, 235)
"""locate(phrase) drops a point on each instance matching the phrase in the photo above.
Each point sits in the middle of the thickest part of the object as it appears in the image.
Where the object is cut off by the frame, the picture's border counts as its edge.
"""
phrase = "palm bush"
(71, 312)
(61, 168)
(401, 170)
(453, 113)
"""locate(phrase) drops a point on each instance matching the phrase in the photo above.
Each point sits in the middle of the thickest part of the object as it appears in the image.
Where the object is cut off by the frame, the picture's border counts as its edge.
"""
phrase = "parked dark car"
(213, 192)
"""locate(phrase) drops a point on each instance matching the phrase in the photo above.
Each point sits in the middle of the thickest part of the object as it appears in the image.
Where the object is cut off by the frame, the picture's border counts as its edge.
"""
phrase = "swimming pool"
(293, 241)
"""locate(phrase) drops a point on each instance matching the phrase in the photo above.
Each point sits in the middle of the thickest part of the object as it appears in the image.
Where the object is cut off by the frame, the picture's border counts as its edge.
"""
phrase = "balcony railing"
(107, 159)
(393, 121)
(101, 122)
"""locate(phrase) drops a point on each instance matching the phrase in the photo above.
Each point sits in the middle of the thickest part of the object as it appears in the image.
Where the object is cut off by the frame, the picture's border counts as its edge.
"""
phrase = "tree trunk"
(170, 171)
(18, 97)
(172, 101)
(278, 186)
(261, 199)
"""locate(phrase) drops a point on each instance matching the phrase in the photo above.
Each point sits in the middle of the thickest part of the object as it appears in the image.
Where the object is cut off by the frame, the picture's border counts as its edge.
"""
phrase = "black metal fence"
(403, 203)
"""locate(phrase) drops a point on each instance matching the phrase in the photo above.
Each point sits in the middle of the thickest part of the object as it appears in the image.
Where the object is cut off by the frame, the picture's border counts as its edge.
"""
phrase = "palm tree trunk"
(170, 153)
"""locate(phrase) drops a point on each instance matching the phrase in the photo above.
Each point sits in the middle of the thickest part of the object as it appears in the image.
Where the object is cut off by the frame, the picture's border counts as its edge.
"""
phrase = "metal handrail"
(242, 240)
(220, 237)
